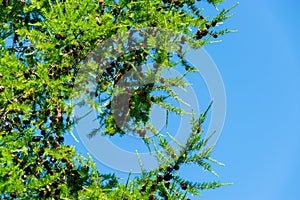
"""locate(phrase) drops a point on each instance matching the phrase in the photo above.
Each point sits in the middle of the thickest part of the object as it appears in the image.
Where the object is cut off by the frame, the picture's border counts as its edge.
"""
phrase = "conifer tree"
(43, 46)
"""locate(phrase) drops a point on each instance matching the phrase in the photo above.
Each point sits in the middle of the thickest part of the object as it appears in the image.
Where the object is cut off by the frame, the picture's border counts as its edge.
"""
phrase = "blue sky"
(260, 141)
(260, 66)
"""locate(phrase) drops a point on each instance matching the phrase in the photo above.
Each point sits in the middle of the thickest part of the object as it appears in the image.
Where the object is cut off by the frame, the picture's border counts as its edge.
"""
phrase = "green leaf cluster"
(42, 46)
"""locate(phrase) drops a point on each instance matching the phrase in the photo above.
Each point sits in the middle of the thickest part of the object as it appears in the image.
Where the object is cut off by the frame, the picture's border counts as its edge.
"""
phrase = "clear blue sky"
(260, 66)
(260, 142)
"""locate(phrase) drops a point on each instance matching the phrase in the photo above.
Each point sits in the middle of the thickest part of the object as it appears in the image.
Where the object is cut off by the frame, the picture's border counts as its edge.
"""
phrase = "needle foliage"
(42, 46)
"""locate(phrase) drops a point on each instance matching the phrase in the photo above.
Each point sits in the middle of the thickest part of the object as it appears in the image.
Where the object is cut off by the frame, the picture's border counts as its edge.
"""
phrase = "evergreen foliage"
(42, 46)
